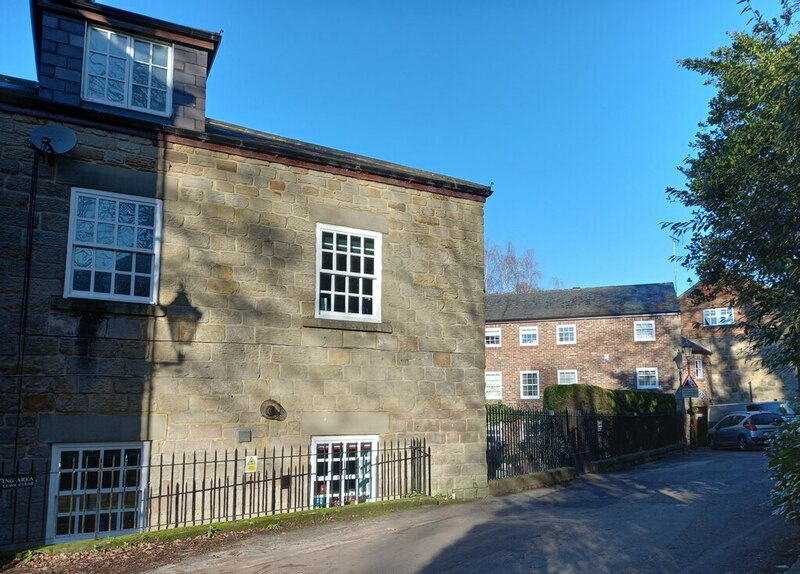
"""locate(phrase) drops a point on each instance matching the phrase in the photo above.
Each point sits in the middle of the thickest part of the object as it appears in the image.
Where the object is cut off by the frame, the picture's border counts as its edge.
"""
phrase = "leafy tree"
(743, 184)
(784, 469)
(508, 272)
(743, 187)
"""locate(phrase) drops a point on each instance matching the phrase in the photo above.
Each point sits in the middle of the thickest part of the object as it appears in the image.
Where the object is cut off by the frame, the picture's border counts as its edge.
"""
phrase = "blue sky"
(576, 112)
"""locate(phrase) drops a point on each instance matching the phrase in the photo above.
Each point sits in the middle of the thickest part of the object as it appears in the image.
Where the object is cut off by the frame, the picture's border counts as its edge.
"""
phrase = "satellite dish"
(53, 139)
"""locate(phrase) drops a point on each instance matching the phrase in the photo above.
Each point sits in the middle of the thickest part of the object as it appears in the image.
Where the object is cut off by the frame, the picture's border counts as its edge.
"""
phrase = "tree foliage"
(509, 272)
(743, 184)
(784, 469)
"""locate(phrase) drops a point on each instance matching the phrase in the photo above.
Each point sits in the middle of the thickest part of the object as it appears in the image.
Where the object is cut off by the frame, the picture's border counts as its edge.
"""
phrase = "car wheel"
(743, 443)
(711, 442)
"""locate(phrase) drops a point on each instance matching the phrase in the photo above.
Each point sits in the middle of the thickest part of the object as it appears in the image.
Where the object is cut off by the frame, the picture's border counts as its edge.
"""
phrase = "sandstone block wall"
(238, 257)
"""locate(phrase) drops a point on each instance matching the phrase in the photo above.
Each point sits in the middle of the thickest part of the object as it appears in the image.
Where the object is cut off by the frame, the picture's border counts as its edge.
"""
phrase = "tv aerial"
(53, 139)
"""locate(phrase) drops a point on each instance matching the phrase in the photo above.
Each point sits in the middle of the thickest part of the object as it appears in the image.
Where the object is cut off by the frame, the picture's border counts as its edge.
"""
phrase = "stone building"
(196, 286)
(624, 337)
(725, 366)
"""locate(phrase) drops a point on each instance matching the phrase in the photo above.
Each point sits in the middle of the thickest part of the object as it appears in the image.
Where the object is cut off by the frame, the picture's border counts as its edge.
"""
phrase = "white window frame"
(568, 372)
(563, 330)
(327, 295)
(493, 332)
(529, 331)
(53, 509)
(522, 394)
(324, 497)
(643, 372)
(698, 368)
(644, 330)
(90, 249)
(127, 43)
(495, 379)
(718, 316)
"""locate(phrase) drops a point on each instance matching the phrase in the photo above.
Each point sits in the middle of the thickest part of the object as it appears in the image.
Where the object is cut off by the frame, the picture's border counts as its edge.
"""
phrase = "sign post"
(689, 389)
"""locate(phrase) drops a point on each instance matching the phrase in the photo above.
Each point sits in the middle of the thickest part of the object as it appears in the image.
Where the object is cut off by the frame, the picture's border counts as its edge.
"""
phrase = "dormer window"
(718, 316)
(127, 72)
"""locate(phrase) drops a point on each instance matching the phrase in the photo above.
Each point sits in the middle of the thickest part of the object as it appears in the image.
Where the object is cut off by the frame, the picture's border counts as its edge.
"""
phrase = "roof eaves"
(290, 148)
(22, 95)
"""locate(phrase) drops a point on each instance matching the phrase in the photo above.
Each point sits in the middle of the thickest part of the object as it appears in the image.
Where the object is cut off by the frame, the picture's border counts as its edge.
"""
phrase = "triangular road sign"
(688, 383)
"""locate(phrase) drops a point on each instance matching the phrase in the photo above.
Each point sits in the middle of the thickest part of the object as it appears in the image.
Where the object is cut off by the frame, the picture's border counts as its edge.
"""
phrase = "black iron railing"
(522, 441)
(201, 488)
(192, 489)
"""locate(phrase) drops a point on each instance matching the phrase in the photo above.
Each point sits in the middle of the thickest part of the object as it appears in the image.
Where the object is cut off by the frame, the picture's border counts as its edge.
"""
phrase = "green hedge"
(588, 398)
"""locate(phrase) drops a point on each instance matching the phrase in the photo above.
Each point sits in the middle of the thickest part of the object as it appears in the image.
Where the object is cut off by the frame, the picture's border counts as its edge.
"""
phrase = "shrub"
(784, 465)
(501, 412)
(589, 398)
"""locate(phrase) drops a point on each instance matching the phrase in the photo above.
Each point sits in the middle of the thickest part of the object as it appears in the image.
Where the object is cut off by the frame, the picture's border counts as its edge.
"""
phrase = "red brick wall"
(733, 370)
(605, 354)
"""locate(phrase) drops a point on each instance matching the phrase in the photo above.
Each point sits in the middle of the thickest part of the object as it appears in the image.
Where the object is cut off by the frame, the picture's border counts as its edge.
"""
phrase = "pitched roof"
(577, 303)
(697, 348)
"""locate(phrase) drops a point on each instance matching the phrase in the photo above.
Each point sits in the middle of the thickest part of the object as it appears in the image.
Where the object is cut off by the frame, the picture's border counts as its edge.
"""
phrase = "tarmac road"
(703, 511)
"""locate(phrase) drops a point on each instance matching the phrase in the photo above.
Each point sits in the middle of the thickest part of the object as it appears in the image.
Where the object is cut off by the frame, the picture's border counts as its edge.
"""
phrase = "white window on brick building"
(718, 316)
(113, 247)
(493, 337)
(97, 490)
(127, 72)
(568, 377)
(528, 336)
(494, 385)
(647, 378)
(565, 335)
(644, 330)
(343, 470)
(529, 384)
(698, 368)
(348, 274)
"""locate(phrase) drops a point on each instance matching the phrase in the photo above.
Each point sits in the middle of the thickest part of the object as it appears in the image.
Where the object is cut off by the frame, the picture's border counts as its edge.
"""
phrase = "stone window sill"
(106, 307)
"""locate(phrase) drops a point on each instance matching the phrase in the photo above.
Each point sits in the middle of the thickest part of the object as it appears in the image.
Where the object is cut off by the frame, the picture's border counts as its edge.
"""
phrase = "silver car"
(744, 429)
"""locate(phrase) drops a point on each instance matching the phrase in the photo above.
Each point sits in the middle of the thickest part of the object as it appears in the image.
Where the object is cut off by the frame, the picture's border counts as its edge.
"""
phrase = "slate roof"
(579, 303)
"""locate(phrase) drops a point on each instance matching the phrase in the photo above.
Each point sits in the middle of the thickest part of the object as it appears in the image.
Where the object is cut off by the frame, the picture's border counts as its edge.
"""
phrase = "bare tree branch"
(509, 272)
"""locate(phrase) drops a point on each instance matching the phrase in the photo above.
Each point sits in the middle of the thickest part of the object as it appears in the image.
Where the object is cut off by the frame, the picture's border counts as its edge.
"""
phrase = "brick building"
(198, 286)
(726, 367)
(624, 337)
